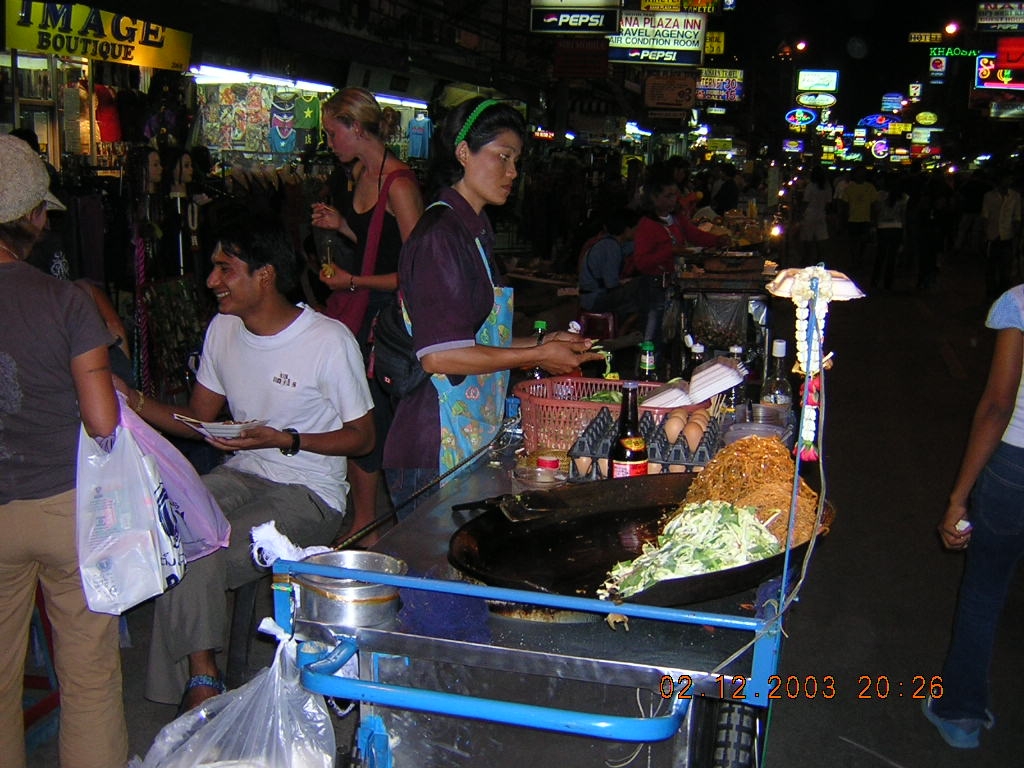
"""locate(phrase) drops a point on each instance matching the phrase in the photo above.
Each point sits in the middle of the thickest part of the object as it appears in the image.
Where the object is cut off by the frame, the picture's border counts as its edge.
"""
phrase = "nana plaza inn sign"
(659, 38)
(69, 29)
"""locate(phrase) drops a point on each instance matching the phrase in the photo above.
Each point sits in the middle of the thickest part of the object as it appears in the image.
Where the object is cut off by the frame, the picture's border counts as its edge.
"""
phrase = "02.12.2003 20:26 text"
(779, 687)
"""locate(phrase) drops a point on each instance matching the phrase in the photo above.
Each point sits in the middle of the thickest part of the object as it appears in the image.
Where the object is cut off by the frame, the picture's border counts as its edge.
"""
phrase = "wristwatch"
(295, 442)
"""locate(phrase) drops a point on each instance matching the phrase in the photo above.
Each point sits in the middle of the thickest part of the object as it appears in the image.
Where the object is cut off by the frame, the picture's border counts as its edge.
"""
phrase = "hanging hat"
(24, 182)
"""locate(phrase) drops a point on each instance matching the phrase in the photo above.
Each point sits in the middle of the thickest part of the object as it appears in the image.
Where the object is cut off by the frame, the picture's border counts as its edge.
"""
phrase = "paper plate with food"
(220, 429)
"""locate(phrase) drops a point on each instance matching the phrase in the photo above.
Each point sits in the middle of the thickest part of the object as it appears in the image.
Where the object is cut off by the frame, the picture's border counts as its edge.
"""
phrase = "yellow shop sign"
(70, 29)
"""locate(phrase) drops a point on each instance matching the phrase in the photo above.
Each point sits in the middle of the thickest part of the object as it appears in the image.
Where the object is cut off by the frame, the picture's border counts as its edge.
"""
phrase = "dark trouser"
(995, 552)
(889, 240)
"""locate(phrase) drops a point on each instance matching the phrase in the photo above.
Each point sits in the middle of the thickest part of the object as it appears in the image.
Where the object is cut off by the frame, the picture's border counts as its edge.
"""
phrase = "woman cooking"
(448, 263)
(662, 234)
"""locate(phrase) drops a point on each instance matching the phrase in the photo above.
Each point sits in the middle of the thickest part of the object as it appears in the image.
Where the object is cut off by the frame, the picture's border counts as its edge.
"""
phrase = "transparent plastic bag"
(720, 320)
(128, 544)
(270, 722)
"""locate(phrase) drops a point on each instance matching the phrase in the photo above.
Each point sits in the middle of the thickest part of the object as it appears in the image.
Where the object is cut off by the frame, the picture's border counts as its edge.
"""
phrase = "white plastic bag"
(270, 722)
(128, 544)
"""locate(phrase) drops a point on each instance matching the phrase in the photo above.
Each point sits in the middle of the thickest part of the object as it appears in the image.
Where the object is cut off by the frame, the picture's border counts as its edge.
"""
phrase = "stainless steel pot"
(347, 602)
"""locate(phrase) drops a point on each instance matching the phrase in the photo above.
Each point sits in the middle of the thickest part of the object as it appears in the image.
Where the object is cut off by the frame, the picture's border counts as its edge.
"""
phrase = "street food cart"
(501, 655)
(481, 674)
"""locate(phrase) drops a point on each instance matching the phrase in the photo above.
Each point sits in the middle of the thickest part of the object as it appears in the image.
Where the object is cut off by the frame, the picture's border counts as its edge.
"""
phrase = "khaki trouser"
(38, 545)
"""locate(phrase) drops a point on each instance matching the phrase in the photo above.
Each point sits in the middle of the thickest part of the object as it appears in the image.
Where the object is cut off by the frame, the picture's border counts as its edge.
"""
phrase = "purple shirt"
(448, 296)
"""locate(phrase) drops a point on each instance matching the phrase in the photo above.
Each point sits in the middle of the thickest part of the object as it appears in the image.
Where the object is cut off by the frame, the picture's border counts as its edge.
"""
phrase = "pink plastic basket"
(554, 411)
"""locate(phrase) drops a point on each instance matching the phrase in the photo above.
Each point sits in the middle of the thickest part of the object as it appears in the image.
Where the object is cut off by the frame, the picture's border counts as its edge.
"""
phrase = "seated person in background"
(263, 358)
(601, 259)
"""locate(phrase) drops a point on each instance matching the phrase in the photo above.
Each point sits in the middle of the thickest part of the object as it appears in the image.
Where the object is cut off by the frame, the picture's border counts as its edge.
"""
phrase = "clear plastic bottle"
(540, 327)
(646, 363)
(736, 396)
(776, 389)
(628, 454)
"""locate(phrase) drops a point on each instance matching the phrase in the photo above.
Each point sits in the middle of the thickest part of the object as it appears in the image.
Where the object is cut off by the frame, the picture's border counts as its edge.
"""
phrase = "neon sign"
(801, 117)
(986, 75)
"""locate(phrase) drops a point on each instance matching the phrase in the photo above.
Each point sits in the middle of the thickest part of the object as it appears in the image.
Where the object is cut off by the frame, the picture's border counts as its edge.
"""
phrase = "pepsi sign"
(574, 21)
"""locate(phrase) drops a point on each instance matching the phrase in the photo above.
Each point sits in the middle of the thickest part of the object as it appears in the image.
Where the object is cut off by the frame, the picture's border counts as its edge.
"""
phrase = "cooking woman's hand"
(562, 357)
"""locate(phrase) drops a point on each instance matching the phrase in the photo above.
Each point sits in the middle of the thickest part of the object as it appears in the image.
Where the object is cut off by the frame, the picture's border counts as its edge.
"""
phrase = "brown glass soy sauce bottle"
(628, 454)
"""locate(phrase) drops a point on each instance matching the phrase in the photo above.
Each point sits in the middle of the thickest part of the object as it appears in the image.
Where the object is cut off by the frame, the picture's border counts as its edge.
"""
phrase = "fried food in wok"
(758, 472)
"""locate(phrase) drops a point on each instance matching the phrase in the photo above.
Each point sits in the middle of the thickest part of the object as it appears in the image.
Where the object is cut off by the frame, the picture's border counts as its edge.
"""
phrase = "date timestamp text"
(782, 687)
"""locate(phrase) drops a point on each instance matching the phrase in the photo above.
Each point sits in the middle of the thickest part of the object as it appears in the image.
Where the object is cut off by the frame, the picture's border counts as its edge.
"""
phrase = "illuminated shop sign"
(574, 21)
(70, 29)
(817, 100)
(544, 135)
(691, 6)
(817, 80)
(892, 102)
(926, 118)
(801, 117)
(898, 129)
(987, 75)
(1010, 53)
(793, 145)
(720, 85)
(658, 38)
(925, 37)
(1000, 17)
(963, 52)
(878, 122)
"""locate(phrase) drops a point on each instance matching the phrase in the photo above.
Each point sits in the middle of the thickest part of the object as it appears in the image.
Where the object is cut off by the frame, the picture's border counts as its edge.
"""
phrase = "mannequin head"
(177, 170)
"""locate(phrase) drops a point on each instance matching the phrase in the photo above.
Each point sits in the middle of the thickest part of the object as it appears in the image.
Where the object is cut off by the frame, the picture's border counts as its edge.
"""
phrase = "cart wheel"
(736, 736)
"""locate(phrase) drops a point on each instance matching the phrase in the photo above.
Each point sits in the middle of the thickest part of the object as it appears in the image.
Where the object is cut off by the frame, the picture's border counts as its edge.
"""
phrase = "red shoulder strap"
(377, 220)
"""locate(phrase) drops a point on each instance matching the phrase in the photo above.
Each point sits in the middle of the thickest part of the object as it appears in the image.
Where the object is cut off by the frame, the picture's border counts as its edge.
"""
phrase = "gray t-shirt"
(45, 323)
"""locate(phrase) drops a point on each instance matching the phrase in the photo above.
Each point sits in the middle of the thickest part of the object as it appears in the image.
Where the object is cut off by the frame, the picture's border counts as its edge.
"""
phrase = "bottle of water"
(736, 396)
(776, 389)
(540, 327)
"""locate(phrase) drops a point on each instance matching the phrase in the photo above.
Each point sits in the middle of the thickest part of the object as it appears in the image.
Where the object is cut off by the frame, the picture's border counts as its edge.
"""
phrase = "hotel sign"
(69, 29)
(1000, 17)
(659, 38)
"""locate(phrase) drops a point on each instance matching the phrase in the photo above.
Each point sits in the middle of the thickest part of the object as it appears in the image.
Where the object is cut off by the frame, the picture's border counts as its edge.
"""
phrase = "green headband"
(466, 126)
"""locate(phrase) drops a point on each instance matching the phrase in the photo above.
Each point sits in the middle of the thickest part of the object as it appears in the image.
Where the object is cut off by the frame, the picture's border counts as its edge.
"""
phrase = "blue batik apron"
(471, 412)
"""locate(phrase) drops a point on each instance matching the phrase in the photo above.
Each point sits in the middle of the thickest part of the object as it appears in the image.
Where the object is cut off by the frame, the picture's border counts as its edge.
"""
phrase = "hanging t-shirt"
(307, 122)
(420, 131)
(282, 122)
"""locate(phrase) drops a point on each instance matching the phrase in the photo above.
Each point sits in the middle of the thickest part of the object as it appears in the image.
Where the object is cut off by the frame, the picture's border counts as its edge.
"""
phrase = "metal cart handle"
(317, 674)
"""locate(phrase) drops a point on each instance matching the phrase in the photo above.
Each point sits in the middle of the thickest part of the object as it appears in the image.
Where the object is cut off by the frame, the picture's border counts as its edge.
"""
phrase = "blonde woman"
(385, 205)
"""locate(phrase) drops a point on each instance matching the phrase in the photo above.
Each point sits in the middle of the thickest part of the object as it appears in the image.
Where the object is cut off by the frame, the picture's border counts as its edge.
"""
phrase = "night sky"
(866, 40)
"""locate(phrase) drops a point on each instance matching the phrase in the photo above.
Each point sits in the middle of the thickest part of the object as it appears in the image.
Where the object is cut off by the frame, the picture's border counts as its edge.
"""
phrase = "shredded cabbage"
(704, 537)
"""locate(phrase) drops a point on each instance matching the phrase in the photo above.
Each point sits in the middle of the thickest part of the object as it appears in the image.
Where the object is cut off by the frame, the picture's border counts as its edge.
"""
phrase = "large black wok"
(571, 550)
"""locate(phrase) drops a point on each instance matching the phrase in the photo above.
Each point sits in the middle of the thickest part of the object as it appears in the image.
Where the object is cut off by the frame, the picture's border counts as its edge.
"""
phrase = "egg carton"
(589, 454)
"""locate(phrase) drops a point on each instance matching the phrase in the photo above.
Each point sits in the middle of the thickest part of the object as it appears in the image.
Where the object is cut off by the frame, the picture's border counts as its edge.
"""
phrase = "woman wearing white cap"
(54, 375)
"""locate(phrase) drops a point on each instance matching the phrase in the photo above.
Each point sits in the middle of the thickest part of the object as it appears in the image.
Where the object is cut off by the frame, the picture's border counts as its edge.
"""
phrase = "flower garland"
(811, 289)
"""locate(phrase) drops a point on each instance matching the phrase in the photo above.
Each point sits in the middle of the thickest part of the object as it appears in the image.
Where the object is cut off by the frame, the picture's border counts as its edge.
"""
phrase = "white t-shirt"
(1008, 312)
(309, 377)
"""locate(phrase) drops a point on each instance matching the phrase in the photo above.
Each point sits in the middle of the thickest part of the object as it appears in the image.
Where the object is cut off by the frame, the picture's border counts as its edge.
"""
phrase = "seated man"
(263, 358)
(600, 272)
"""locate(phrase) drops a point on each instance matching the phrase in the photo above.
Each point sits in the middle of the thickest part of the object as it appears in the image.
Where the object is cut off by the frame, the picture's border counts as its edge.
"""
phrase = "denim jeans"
(996, 548)
(403, 483)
